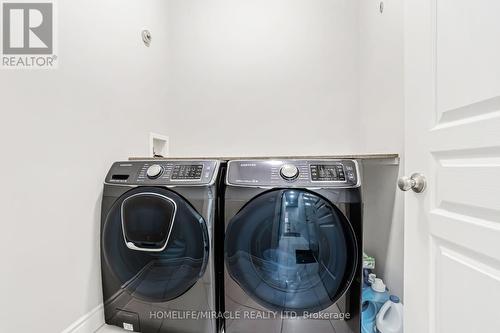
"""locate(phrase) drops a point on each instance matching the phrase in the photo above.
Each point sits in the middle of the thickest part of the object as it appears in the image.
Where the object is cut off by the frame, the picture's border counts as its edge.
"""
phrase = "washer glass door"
(291, 250)
(155, 243)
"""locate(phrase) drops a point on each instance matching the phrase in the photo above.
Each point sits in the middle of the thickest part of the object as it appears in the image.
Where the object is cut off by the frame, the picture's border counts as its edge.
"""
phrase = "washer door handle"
(132, 246)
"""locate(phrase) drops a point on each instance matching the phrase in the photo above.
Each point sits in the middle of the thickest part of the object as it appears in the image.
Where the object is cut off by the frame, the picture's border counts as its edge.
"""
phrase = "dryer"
(156, 245)
(293, 246)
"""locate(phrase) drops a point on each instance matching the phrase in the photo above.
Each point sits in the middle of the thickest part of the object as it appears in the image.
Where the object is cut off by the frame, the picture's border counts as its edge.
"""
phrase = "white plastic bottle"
(390, 317)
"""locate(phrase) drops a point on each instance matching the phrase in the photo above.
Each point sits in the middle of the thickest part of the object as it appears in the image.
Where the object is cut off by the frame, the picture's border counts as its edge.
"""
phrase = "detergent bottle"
(377, 293)
(373, 298)
(390, 317)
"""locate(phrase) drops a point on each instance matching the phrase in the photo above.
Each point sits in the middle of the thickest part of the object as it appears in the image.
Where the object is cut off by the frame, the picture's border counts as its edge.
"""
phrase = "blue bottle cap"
(394, 299)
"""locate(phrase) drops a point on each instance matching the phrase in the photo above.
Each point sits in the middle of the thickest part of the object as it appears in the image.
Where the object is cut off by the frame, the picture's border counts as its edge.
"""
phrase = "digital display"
(322, 172)
(187, 172)
(119, 177)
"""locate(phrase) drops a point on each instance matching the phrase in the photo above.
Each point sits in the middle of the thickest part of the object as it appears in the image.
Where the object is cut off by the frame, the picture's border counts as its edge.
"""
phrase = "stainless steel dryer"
(156, 245)
(293, 240)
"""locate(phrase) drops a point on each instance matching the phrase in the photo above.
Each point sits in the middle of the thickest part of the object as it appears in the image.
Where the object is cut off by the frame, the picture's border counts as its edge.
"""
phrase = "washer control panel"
(327, 172)
(293, 173)
(187, 172)
(164, 172)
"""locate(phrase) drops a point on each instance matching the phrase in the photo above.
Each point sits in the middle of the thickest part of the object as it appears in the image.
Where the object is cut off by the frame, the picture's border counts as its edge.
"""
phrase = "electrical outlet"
(158, 145)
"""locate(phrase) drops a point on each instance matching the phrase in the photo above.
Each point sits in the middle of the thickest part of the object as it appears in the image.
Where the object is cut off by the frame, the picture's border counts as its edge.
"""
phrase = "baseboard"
(89, 322)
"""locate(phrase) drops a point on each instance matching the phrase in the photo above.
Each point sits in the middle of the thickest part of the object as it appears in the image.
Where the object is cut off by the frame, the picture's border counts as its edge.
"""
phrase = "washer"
(293, 240)
(156, 245)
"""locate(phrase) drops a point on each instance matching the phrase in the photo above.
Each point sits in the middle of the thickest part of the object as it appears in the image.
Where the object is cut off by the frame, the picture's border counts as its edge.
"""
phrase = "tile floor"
(109, 329)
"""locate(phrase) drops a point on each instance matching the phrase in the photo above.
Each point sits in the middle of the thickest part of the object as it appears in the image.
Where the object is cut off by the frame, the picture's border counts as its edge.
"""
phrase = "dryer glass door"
(155, 243)
(291, 250)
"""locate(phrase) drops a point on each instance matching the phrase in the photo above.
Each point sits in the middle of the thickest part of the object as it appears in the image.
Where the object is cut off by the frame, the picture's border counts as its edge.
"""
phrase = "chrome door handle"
(416, 182)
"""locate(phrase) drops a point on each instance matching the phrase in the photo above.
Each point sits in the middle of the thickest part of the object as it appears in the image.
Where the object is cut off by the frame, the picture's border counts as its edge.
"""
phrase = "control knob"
(289, 172)
(154, 171)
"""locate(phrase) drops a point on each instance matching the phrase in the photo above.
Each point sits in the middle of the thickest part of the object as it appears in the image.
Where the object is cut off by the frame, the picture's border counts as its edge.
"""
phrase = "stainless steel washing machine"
(157, 245)
(293, 246)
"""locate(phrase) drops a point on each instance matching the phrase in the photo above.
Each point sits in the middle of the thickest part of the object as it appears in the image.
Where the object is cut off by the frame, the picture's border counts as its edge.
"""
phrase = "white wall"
(382, 129)
(60, 130)
(263, 77)
(292, 77)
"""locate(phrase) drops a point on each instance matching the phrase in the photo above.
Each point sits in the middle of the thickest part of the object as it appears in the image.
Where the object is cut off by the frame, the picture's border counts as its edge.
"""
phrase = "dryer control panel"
(164, 173)
(293, 173)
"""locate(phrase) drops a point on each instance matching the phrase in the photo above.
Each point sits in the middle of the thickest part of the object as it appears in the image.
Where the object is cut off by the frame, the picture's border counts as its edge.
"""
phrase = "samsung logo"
(248, 164)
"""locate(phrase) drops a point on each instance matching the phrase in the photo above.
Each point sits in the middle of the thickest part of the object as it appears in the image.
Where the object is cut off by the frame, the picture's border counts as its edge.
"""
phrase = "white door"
(452, 229)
